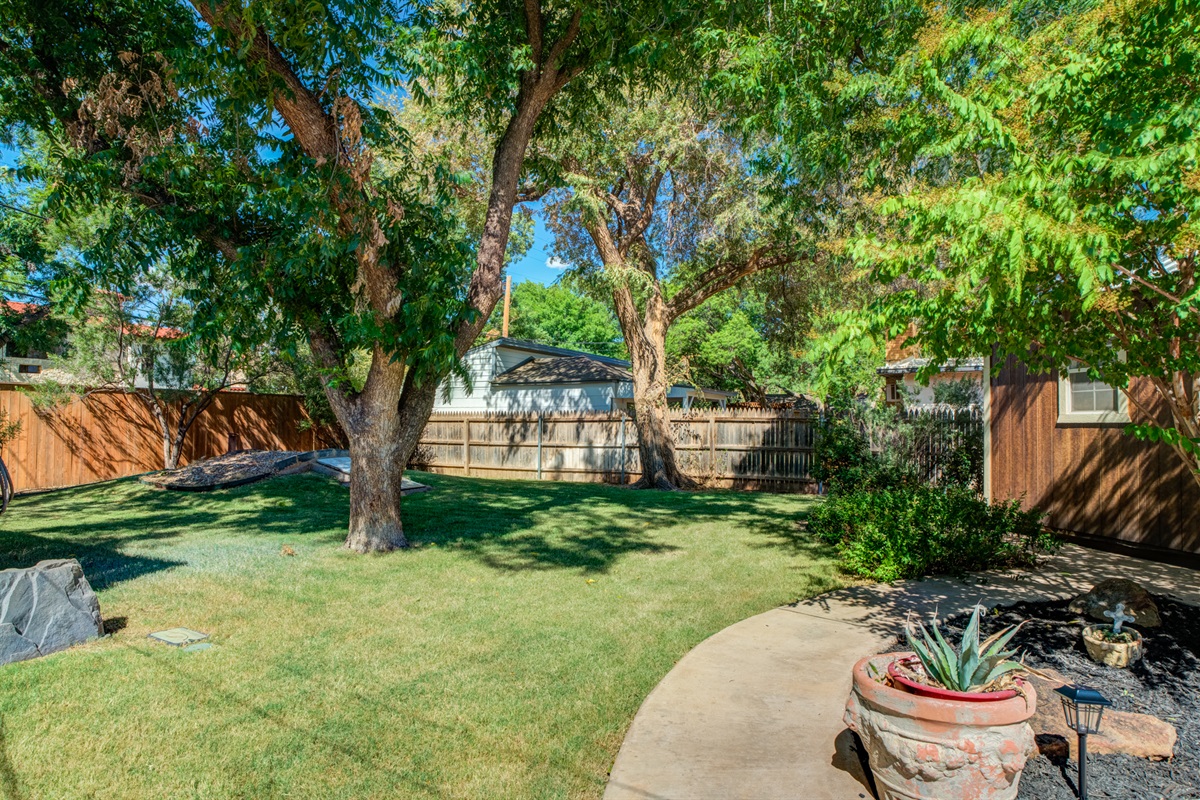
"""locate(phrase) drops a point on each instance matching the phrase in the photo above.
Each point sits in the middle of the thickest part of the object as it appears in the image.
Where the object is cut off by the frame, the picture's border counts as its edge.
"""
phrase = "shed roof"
(909, 366)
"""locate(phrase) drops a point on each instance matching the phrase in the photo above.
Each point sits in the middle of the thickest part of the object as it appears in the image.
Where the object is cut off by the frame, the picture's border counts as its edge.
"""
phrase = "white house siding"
(554, 399)
(919, 394)
(488, 361)
(485, 363)
(481, 364)
(531, 399)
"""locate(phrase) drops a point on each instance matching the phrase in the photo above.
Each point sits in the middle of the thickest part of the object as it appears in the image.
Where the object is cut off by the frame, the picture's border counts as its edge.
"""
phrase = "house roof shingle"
(563, 369)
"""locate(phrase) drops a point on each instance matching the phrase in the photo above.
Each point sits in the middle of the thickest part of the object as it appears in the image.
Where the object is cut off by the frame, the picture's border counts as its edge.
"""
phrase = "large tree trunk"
(376, 474)
(372, 421)
(646, 338)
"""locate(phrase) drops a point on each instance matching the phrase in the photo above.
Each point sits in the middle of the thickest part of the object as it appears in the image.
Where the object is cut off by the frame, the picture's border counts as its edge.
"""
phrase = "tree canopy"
(252, 136)
(1048, 197)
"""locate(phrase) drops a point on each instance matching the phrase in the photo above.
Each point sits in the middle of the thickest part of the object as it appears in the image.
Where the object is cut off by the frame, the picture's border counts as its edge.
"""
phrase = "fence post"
(622, 449)
(712, 443)
(539, 424)
(466, 446)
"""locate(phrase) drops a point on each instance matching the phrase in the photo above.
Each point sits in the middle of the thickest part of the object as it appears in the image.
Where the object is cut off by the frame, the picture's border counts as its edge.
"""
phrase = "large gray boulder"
(1105, 595)
(46, 608)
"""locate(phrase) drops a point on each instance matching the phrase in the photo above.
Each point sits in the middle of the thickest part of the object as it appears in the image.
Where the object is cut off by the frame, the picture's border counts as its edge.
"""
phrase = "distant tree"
(960, 393)
(559, 316)
(724, 344)
(662, 213)
(148, 342)
(28, 323)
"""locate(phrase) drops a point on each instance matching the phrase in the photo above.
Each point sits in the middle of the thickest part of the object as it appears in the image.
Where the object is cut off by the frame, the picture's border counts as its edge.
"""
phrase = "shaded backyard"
(503, 656)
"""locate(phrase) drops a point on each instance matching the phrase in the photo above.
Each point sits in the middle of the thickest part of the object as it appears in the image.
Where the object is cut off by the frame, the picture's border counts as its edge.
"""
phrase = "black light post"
(1083, 707)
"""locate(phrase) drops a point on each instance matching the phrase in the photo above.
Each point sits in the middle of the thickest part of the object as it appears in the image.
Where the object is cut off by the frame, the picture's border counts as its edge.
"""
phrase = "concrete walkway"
(755, 711)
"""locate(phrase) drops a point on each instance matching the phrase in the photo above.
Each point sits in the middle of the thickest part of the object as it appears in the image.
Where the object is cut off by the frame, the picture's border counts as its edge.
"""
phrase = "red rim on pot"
(946, 694)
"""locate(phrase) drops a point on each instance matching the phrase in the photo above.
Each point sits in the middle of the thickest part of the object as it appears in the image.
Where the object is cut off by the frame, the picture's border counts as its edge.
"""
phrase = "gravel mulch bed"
(1165, 683)
(242, 467)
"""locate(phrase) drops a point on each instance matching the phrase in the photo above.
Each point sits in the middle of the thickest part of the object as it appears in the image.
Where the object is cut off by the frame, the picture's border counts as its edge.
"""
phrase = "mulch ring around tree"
(1164, 684)
(233, 469)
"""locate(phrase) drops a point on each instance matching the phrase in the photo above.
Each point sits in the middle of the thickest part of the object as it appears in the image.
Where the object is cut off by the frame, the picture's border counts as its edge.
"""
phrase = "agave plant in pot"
(941, 722)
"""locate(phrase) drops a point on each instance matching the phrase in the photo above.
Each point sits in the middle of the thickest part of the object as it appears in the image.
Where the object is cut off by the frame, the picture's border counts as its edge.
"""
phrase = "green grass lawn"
(504, 656)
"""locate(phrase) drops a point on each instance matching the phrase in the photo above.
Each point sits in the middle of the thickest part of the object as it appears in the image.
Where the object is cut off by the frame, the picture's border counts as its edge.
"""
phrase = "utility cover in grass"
(178, 637)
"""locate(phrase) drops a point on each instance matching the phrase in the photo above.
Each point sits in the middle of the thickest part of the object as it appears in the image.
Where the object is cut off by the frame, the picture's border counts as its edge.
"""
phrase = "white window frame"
(1066, 416)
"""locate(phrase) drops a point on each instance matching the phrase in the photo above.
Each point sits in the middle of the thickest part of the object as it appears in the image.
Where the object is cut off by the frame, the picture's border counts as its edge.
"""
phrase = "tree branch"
(533, 29)
(313, 127)
(722, 276)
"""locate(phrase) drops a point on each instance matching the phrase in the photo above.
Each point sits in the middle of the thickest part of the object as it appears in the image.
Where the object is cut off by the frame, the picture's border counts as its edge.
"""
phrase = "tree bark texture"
(372, 421)
(646, 336)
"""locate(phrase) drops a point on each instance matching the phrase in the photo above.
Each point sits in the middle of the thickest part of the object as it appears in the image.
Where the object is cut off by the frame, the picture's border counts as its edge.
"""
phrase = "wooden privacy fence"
(111, 434)
(743, 449)
(938, 434)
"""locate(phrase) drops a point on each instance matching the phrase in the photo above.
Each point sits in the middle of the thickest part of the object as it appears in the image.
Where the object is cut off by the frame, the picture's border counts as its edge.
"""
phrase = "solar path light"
(1083, 707)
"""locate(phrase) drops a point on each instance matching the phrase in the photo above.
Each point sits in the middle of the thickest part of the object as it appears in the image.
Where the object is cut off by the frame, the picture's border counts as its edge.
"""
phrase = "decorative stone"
(1105, 595)
(1111, 654)
(923, 748)
(46, 608)
(1053, 746)
(1140, 735)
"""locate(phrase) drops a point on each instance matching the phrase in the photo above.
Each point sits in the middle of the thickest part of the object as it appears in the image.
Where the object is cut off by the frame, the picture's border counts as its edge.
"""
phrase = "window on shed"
(1083, 399)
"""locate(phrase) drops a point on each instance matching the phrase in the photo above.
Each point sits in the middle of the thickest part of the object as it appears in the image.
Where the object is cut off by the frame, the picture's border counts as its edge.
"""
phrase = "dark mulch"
(1165, 683)
(244, 466)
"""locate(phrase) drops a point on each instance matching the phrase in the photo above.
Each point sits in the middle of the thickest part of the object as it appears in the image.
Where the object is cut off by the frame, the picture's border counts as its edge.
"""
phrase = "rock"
(1140, 735)
(1053, 746)
(14, 646)
(46, 608)
(1105, 595)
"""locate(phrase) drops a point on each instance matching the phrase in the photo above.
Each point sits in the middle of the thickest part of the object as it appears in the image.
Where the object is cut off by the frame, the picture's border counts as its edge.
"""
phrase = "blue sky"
(535, 266)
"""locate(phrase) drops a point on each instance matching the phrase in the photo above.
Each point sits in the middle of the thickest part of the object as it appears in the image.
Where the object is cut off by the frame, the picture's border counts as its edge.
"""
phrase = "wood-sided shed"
(1057, 442)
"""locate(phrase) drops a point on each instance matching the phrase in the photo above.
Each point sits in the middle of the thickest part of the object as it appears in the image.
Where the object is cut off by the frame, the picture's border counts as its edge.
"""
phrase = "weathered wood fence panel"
(769, 450)
(111, 434)
(941, 432)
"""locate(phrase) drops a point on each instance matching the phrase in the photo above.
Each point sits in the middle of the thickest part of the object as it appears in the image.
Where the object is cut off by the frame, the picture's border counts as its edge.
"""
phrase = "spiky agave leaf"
(996, 642)
(1000, 670)
(973, 667)
(994, 654)
(936, 656)
(969, 655)
(949, 654)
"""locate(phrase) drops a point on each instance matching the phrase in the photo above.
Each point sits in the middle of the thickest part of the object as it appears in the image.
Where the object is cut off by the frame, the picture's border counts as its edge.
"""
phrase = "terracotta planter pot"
(1111, 654)
(922, 748)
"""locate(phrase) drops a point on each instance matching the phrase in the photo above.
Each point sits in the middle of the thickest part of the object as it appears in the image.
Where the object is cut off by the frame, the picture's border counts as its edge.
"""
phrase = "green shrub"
(860, 447)
(843, 457)
(911, 531)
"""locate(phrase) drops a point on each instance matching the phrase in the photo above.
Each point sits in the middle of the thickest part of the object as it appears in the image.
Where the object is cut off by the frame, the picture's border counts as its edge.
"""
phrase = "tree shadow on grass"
(532, 525)
(104, 564)
(8, 775)
(103, 526)
(507, 525)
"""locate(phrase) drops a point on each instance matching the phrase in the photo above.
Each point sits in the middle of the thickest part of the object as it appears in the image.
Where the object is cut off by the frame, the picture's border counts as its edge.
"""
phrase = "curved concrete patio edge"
(755, 711)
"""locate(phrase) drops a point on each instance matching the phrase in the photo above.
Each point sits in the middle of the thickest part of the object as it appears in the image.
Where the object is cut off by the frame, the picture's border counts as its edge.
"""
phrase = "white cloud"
(553, 262)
